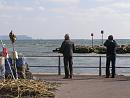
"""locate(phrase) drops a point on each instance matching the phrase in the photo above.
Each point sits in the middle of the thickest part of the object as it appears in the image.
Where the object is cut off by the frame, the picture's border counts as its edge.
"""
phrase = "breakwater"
(99, 49)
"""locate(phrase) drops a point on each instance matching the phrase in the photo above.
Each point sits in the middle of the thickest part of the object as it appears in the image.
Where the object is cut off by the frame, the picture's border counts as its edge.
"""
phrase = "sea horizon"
(63, 39)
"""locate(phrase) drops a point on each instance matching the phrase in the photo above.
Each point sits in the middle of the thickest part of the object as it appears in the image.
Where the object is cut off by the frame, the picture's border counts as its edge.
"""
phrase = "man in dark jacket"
(110, 55)
(67, 48)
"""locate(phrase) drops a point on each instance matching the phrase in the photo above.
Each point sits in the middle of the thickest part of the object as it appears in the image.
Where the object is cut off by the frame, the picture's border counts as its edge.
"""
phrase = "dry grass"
(22, 88)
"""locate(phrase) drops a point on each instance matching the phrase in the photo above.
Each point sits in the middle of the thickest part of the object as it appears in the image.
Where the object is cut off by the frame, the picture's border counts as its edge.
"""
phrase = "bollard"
(59, 66)
(100, 66)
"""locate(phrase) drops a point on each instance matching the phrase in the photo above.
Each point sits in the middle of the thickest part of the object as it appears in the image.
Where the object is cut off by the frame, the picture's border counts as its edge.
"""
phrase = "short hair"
(110, 37)
(67, 37)
(20, 55)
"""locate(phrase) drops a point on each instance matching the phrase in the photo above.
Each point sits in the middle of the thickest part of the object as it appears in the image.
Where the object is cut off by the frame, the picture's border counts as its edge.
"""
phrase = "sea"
(33, 50)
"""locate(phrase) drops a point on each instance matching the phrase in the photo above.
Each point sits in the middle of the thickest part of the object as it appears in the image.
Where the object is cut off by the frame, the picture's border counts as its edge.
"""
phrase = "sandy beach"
(90, 86)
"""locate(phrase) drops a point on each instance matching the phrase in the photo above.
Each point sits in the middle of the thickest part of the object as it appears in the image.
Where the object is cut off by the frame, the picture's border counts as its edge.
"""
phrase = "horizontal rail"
(74, 56)
(59, 62)
(78, 66)
(43, 66)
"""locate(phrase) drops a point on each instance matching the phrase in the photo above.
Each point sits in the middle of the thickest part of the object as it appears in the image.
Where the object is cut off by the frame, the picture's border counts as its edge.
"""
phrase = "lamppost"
(102, 32)
(92, 39)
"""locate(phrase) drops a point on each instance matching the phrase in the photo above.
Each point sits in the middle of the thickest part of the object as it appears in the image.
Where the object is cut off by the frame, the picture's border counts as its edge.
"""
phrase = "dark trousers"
(110, 59)
(68, 62)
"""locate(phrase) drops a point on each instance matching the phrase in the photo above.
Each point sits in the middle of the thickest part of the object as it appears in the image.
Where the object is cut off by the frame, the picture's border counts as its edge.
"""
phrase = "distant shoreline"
(19, 37)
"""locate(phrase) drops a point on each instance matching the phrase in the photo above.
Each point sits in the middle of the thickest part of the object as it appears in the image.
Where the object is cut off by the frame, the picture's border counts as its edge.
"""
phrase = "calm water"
(45, 47)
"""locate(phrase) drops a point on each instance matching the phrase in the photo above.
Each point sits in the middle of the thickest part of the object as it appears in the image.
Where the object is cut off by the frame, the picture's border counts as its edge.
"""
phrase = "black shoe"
(107, 77)
(65, 77)
(71, 76)
(113, 77)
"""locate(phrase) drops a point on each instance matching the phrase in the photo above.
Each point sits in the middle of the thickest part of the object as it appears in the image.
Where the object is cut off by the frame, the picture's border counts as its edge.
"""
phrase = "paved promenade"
(90, 86)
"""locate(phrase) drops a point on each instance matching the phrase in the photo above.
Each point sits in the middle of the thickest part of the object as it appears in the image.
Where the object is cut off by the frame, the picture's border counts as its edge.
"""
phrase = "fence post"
(59, 66)
(100, 66)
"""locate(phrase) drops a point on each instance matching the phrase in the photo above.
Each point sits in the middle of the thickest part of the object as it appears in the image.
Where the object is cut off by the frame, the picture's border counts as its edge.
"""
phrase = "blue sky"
(51, 19)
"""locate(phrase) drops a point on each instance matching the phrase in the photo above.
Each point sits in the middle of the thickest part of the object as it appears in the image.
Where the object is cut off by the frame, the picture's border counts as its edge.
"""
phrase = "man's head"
(110, 37)
(67, 37)
(20, 55)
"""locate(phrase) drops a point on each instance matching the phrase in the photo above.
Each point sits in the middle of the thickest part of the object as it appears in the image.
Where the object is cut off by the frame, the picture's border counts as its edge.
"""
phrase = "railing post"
(59, 66)
(100, 66)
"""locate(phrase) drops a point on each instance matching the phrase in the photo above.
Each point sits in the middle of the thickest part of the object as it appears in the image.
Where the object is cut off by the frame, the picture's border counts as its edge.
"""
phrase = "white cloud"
(83, 14)
(27, 8)
(3, 2)
(66, 1)
(104, 0)
(56, 16)
(59, 10)
(15, 8)
(93, 19)
(41, 8)
(121, 5)
(4, 16)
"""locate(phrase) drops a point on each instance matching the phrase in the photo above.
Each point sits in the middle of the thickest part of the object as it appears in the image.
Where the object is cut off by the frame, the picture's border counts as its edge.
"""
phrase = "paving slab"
(90, 86)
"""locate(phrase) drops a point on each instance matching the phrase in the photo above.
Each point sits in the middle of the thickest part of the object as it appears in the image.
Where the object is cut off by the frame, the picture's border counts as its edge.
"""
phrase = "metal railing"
(59, 63)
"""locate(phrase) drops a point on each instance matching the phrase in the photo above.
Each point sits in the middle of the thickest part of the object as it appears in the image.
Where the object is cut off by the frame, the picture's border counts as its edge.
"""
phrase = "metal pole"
(102, 32)
(59, 66)
(100, 68)
(92, 41)
(102, 39)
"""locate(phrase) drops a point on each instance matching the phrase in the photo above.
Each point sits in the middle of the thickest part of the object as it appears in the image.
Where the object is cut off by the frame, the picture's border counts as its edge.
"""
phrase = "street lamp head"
(91, 34)
(102, 31)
